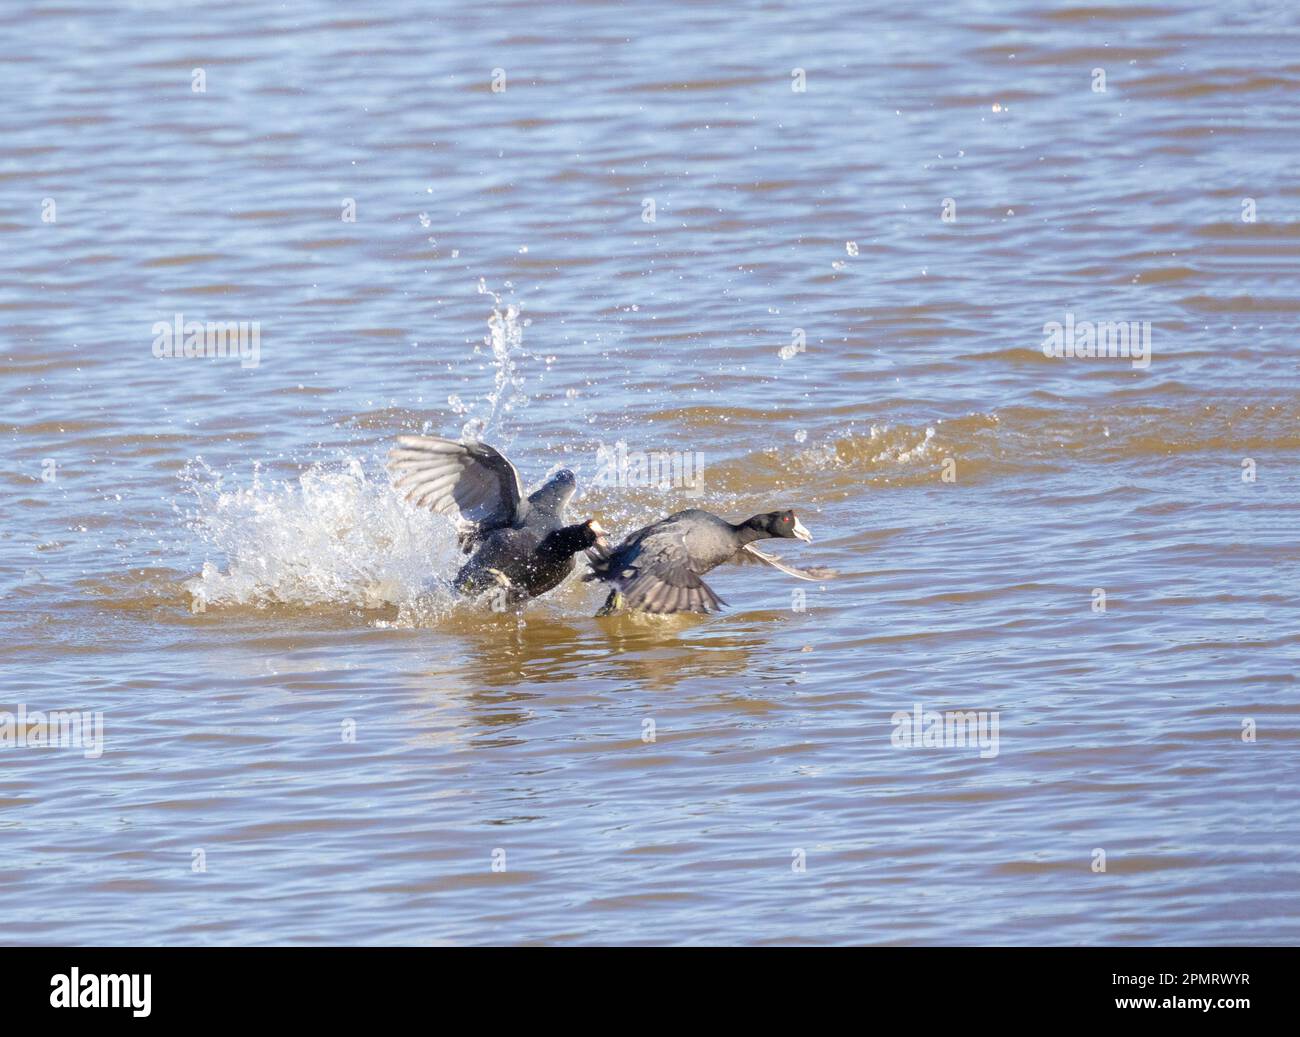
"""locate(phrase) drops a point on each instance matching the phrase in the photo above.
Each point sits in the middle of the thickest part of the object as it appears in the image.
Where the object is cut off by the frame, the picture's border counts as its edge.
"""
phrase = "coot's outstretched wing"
(750, 553)
(659, 579)
(470, 482)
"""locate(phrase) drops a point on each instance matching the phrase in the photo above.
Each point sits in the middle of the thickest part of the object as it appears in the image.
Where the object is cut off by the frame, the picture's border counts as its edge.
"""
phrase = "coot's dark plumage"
(524, 545)
(658, 568)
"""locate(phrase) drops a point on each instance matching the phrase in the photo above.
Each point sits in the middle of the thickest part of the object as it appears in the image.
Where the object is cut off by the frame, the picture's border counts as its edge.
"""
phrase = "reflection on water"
(210, 555)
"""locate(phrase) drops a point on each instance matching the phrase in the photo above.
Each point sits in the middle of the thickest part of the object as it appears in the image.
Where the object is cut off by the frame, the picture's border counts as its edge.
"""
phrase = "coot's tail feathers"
(750, 553)
(470, 482)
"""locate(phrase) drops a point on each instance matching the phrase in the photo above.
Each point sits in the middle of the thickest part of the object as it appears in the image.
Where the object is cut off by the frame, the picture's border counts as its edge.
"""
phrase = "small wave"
(982, 445)
(882, 454)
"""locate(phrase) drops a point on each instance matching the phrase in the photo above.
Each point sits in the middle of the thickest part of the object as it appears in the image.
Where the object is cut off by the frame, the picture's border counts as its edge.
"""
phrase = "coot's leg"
(467, 580)
(614, 603)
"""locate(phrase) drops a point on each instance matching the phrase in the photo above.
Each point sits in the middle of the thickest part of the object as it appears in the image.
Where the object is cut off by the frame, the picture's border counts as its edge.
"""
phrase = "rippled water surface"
(839, 306)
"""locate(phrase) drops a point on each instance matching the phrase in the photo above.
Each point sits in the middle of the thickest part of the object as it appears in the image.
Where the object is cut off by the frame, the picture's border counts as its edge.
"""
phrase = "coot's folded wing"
(750, 553)
(470, 482)
(661, 580)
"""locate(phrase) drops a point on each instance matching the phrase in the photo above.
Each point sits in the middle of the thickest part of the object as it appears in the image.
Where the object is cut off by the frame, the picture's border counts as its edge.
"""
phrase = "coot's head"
(567, 541)
(786, 524)
(595, 534)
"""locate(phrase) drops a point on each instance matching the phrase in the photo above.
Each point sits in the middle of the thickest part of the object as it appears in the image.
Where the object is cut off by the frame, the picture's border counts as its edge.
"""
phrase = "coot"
(658, 568)
(525, 546)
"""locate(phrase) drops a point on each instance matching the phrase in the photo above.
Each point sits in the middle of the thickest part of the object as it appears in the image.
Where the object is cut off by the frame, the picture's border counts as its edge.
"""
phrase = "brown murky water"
(840, 305)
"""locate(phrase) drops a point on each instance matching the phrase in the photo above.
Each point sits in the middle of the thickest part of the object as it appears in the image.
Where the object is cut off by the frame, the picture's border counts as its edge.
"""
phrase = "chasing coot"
(522, 545)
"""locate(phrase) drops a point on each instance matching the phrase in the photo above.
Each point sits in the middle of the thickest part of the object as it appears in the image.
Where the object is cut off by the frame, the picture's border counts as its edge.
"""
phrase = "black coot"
(658, 568)
(524, 546)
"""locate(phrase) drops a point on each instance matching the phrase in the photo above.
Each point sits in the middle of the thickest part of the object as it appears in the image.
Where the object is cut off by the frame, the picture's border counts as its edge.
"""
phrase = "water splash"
(505, 340)
(334, 536)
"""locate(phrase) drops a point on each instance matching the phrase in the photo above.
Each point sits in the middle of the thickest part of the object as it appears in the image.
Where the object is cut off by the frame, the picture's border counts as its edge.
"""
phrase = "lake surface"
(815, 251)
